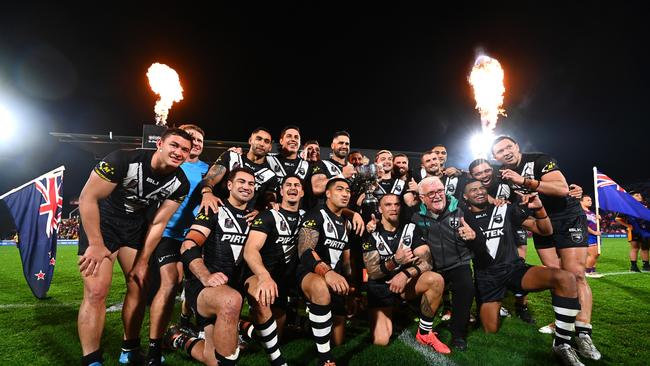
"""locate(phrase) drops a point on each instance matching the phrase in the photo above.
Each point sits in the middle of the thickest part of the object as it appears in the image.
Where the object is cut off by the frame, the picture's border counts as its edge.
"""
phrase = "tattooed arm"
(307, 240)
(211, 179)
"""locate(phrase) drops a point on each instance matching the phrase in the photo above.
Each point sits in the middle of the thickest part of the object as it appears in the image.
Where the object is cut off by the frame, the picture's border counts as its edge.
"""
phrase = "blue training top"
(182, 219)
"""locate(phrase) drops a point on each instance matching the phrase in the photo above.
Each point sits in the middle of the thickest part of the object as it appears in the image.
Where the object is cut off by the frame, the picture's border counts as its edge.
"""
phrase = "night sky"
(576, 79)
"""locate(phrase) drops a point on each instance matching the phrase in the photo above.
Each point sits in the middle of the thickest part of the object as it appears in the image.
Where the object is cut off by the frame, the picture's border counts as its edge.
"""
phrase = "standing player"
(355, 158)
(592, 228)
(167, 253)
(311, 151)
(287, 162)
(336, 166)
(536, 172)
(324, 265)
(212, 258)
(399, 268)
(498, 268)
(113, 206)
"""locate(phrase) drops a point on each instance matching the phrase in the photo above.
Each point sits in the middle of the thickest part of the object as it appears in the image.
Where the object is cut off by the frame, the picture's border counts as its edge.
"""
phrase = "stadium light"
(7, 124)
(480, 143)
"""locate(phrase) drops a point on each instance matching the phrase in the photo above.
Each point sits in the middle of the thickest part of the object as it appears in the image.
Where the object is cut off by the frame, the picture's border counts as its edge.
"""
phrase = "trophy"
(367, 178)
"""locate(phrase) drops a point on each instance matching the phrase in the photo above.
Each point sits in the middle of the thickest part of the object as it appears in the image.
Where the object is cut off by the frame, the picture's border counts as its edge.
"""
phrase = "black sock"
(425, 325)
(154, 348)
(129, 345)
(646, 263)
(268, 336)
(92, 357)
(633, 263)
(584, 328)
(320, 320)
(185, 320)
(565, 309)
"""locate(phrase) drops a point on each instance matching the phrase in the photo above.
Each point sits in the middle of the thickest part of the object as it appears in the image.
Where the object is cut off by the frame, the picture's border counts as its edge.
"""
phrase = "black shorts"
(380, 295)
(492, 284)
(570, 232)
(168, 251)
(644, 243)
(285, 279)
(337, 302)
(117, 232)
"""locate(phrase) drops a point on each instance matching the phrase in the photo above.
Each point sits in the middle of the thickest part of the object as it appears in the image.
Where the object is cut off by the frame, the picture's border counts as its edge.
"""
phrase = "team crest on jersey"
(310, 224)
(202, 217)
(498, 219)
(454, 222)
(301, 171)
(576, 234)
(330, 227)
(451, 189)
(283, 226)
(549, 166)
(236, 165)
(257, 222)
(398, 189)
(381, 246)
(277, 168)
(229, 224)
(407, 240)
(333, 170)
(366, 246)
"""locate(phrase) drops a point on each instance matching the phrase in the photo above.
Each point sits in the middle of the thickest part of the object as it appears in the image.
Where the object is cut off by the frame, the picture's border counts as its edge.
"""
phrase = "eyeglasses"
(430, 195)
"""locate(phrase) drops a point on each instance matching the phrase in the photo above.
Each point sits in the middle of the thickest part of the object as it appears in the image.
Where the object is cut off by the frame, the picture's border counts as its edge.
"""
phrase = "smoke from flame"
(487, 80)
(164, 81)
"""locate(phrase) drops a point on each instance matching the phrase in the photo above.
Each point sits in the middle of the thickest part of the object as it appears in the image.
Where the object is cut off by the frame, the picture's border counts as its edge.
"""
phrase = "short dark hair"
(258, 129)
(438, 145)
(469, 181)
(333, 181)
(311, 142)
(585, 195)
(286, 177)
(400, 155)
(190, 126)
(476, 163)
(501, 138)
(340, 133)
(288, 127)
(175, 131)
(428, 152)
(233, 173)
(355, 152)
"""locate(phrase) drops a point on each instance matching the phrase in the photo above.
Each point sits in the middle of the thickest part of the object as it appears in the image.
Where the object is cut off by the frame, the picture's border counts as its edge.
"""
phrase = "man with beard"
(355, 158)
(212, 258)
(324, 265)
(432, 167)
(399, 268)
(498, 268)
(337, 166)
(255, 159)
(287, 162)
(113, 207)
(537, 172)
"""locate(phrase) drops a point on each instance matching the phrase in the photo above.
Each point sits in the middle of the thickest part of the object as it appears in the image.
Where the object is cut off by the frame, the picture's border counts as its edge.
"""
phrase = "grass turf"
(44, 331)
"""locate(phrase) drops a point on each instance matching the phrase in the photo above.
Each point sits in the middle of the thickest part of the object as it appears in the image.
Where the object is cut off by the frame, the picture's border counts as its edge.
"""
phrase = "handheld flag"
(613, 197)
(36, 210)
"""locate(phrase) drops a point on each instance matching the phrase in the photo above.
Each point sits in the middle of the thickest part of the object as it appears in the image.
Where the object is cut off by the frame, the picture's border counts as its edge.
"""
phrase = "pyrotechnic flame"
(164, 81)
(487, 80)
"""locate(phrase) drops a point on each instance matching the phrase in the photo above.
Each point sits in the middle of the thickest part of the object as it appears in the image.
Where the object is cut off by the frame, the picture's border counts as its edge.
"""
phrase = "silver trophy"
(367, 179)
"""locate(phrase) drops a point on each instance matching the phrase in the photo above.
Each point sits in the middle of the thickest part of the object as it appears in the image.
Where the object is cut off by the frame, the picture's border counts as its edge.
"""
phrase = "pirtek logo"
(234, 238)
(493, 233)
(284, 240)
(335, 244)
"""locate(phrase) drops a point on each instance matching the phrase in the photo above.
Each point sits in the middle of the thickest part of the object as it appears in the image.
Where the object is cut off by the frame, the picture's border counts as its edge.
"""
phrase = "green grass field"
(44, 332)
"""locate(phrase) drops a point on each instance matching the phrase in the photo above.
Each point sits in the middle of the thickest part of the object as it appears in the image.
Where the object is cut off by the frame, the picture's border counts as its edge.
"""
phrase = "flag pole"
(597, 207)
(61, 168)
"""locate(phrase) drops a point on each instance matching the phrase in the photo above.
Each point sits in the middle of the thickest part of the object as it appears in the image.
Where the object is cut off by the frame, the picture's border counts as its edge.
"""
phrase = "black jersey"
(387, 242)
(281, 227)
(329, 167)
(499, 190)
(265, 179)
(282, 166)
(394, 185)
(454, 186)
(223, 249)
(535, 166)
(333, 236)
(498, 225)
(138, 187)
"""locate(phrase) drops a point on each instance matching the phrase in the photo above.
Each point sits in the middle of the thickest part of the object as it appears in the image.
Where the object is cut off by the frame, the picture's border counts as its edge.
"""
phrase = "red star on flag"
(52, 261)
(40, 275)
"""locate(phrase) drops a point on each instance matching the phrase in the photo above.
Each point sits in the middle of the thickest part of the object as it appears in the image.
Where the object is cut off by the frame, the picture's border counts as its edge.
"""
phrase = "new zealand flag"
(36, 210)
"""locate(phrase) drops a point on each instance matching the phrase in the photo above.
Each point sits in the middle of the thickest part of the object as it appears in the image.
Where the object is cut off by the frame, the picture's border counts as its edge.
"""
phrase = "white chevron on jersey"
(285, 230)
(398, 187)
(383, 249)
(406, 238)
(234, 161)
(276, 165)
(225, 215)
(450, 185)
(335, 254)
(503, 191)
(497, 220)
(332, 168)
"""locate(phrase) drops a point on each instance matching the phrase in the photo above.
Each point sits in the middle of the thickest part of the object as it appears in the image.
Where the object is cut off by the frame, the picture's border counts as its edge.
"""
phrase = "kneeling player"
(271, 256)
(214, 274)
(398, 268)
(324, 265)
(498, 268)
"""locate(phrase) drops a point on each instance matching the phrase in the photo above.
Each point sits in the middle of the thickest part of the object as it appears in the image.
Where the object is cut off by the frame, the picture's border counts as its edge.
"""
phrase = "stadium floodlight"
(7, 124)
(481, 143)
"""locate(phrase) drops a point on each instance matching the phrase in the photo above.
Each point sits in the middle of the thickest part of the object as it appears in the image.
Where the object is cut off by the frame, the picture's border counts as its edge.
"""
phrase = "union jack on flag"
(603, 180)
(36, 210)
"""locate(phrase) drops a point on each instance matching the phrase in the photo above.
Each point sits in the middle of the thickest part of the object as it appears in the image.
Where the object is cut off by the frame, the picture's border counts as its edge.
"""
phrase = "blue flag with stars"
(36, 210)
